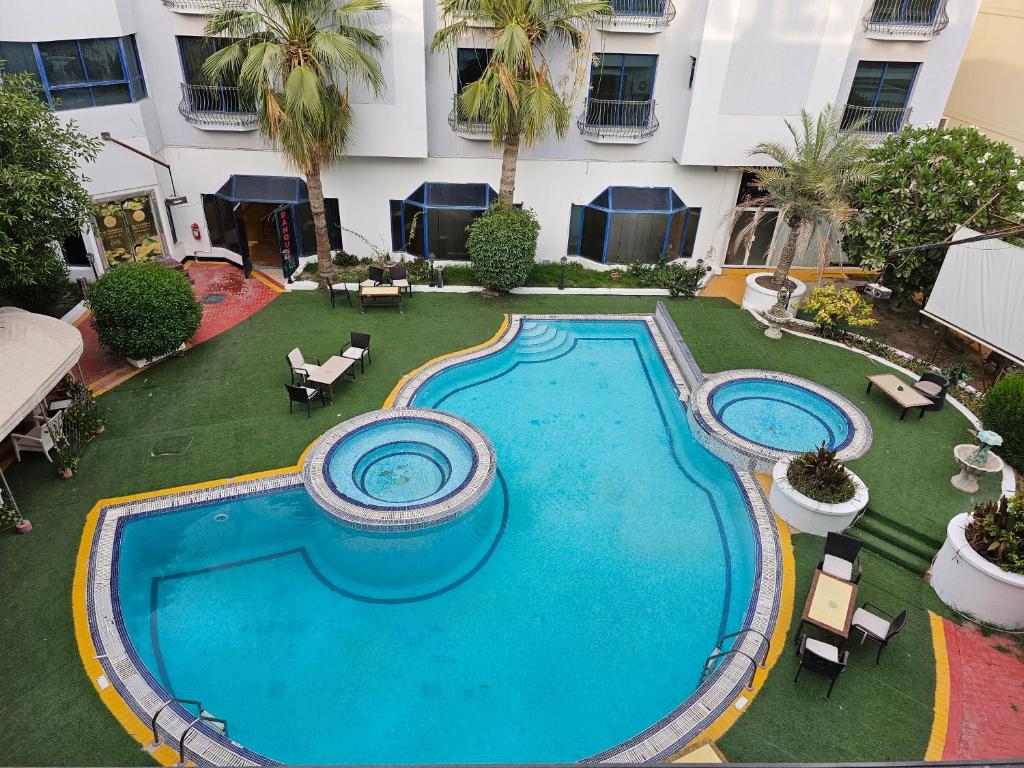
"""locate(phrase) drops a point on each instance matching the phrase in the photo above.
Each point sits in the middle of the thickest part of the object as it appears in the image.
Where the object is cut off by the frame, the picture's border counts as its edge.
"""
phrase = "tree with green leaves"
(516, 93)
(812, 183)
(930, 181)
(43, 199)
(294, 59)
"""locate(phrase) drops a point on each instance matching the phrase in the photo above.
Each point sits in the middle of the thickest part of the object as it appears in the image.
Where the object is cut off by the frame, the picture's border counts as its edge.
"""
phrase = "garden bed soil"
(765, 281)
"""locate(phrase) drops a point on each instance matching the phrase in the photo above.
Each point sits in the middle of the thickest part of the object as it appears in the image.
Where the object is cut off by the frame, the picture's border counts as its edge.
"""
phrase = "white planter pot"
(762, 299)
(806, 514)
(970, 584)
(136, 363)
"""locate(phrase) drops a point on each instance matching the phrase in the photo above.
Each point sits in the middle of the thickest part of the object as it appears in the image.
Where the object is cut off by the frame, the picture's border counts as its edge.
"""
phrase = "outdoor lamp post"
(561, 275)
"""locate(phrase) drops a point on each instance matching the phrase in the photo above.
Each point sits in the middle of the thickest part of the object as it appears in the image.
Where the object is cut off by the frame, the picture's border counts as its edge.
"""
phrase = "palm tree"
(515, 93)
(293, 60)
(813, 182)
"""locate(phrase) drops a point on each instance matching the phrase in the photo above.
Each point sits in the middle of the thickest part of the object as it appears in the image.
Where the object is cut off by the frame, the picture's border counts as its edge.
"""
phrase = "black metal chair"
(823, 659)
(399, 277)
(934, 386)
(879, 629)
(374, 276)
(340, 288)
(357, 349)
(299, 394)
(841, 557)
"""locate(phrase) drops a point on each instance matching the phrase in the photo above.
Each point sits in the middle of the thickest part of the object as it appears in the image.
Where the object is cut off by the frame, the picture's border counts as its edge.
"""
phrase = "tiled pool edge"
(712, 701)
(132, 694)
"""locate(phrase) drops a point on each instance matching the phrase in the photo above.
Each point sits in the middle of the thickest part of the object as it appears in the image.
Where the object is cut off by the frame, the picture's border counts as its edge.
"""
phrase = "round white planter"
(966, 581)
(762, 299)
(806, 514)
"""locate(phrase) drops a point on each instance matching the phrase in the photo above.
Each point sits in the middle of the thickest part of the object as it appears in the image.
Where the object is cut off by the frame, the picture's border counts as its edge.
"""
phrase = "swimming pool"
(568, 614)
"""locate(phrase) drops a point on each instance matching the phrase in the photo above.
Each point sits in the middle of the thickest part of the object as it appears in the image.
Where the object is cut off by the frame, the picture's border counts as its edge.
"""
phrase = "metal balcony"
(877, 122)
(609, 121)
(202, 6)
(641, 16)
(906, 19)
(217, 108)
(475, 130)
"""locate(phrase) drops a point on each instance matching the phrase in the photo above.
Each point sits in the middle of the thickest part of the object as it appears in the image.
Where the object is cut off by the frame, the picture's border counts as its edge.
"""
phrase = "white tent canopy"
(35, 353)
(978, 294)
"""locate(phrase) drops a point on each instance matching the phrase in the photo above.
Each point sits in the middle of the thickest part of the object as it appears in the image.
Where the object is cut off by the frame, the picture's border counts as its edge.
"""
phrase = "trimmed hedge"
(502, 245)
(144, 310)
(1002, 411)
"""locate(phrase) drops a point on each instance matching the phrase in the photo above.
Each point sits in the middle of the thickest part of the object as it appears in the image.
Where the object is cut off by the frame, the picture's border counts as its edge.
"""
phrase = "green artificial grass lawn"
(220, 410)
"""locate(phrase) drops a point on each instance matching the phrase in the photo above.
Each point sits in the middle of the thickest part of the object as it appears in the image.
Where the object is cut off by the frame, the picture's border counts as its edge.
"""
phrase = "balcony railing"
(906, 19)
(638, 16)
(618, 122)
(202, 6)
(464, 126)
(877, 121)
(217, 108)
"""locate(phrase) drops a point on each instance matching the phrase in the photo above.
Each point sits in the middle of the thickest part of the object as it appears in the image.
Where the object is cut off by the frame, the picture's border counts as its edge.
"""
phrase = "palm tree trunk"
(788, 253)
(509, 160)
(325, 267)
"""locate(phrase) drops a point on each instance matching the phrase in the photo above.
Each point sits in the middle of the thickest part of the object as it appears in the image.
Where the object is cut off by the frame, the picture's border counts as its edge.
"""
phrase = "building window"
(201, 93)
(624, 224)
(77, 74)
(471, 63)
(879, 96)
(129, 230)
(621, 89)
(433, 219)
(75, 252)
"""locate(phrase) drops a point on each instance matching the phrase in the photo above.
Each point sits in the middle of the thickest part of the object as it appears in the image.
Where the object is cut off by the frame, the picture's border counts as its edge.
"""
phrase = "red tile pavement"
(986, 696)
(242, 298)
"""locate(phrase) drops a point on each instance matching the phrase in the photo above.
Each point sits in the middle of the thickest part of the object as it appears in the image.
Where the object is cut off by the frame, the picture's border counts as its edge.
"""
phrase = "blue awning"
(264, 189)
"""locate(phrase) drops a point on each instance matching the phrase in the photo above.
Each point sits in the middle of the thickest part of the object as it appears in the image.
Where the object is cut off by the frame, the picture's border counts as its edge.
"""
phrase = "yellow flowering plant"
(835, 309)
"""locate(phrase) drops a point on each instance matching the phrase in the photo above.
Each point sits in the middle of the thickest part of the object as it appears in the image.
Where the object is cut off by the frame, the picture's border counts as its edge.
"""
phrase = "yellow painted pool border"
(167, 756)
(940, 713)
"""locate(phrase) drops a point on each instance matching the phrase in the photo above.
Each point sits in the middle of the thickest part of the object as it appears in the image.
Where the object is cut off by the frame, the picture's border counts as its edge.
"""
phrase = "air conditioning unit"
(878, 291)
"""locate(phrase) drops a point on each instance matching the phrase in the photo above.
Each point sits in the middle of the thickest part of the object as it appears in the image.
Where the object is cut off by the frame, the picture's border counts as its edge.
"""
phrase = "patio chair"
(400, 278)
(299, 394)
(300, 366)
(933, 386)
(823, 659)
(39, 438)
(338, 288)
(374, 276)
(357, 349)
(841, 558)
(879, 629)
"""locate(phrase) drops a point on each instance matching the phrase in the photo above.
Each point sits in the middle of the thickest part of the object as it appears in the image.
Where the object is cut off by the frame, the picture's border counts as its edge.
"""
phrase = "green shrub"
(1002, 411)
(39, 284)
(817, 475)
(996, 532)
(144, 310)
(502, 245)
(676, 277)
(835, 309)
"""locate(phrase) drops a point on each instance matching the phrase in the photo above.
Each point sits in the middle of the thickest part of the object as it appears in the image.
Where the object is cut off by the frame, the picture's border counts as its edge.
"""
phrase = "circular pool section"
(780, 415)
(400, 468)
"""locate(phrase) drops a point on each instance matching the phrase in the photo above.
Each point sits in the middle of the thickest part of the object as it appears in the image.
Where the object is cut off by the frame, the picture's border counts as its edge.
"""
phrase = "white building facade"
(679, 90)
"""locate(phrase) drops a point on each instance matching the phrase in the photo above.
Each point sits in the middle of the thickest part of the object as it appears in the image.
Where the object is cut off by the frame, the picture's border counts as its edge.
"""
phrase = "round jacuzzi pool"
(401, 468)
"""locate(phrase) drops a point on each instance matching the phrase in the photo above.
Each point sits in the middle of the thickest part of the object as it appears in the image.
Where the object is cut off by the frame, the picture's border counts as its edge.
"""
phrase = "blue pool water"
(780, 415)
(400, 463)
(570, 610)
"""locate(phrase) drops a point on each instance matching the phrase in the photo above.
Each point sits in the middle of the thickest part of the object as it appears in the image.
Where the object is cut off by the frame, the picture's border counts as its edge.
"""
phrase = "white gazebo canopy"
(35, 353)
(978, 294)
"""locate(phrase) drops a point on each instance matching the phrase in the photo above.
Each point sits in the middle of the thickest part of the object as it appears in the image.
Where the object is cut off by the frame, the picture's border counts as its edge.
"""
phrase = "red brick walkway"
(241, 299)
(986, 697)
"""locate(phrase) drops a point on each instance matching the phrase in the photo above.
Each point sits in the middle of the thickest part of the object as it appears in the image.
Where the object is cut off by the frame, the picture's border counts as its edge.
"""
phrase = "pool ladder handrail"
(718, 653)
(202, 718)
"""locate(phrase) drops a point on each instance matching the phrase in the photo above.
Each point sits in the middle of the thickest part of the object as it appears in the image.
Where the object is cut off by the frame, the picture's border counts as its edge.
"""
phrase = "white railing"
(907, 18)
(202, 6)
(611, 119)
(639, 15)
(463, 125)
(875, 120)
(216, 106)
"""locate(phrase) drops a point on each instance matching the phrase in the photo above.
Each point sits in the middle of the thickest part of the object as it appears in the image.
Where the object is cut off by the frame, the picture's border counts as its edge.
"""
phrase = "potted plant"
(9, 516)
(980, 569)
(815, 493)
